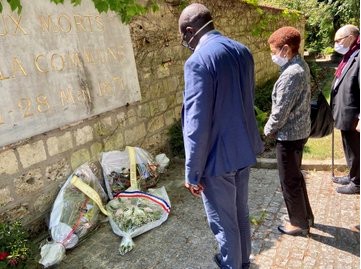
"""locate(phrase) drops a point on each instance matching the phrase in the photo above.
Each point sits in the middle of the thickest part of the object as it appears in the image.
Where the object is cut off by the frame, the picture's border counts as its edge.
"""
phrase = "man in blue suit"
(220, 132)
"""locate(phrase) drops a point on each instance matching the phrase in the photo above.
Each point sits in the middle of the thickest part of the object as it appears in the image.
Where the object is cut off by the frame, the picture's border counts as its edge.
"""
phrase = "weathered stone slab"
(60, 64)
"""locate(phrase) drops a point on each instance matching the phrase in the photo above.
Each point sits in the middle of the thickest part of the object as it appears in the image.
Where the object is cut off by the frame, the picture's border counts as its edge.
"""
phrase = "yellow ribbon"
(88, 191)
(133, 169)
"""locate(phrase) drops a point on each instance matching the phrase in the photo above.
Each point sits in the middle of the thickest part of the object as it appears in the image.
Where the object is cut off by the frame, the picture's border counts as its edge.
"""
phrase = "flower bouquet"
(134, 212)
(75, 211)
(116, 169)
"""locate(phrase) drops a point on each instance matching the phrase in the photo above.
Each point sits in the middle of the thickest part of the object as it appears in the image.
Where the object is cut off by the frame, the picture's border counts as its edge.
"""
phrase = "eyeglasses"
(340, 39)
(187, 44)
(183, 42)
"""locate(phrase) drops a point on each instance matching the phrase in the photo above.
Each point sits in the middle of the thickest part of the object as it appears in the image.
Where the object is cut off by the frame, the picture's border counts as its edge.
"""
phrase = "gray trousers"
(225, 201)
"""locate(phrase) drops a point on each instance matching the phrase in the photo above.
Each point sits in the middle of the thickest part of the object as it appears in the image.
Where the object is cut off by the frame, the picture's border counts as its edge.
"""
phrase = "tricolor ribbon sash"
(139, 194)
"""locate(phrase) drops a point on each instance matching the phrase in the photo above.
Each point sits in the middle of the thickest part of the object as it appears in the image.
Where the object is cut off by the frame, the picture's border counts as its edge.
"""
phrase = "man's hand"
(195, 190)
(358, 126)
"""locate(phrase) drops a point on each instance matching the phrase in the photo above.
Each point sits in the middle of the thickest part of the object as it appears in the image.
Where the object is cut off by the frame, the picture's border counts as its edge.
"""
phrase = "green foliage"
(321, 78)
(344, 11)
(319, 29)
(182, 4)
(176, 135)
(176, 139)
(320, 148)
(74, 2)
(315, 68)
(324, 17)
(15, 246)
(14, 5)
(263, 94)
(251, 2)
(291, 15)
(263, 106)
(258, 219)
(127, 9)
(261, 27)
(328, 51)
(261, 118)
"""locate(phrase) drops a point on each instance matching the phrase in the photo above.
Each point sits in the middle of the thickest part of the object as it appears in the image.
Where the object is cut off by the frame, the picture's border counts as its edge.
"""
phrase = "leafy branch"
(14, 5)
(266, 19)
(126, 9)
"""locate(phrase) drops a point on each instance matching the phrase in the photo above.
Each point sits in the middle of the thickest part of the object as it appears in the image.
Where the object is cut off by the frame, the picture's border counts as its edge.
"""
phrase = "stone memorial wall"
(76, 83)
(61, 64)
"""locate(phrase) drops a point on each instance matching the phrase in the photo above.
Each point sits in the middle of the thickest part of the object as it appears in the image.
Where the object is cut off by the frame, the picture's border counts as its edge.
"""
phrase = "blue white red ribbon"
(139, 194)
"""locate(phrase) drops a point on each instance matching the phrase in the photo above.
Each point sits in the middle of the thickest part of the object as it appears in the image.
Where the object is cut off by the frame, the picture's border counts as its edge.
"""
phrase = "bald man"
(345, 104)
(220, 132)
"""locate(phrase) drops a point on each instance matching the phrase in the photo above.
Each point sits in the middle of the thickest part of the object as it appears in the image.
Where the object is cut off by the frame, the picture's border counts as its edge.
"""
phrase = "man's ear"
(189, 30)
(354, 38)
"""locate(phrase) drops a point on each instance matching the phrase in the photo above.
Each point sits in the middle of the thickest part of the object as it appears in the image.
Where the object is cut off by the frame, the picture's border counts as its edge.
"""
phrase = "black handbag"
(322, 122)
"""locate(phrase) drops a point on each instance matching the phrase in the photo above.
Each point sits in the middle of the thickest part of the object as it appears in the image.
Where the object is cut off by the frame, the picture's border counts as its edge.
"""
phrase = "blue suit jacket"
(219, 125)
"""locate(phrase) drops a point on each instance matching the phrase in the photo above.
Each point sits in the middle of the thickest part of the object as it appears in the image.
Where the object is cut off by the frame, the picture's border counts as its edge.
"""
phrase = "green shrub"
(261, 118)
(315, 69)
(328, 50)
(263, 100)
(316, 77)
(15, 245)
(176, 135)
(176, 139)
(263, 105)
(321, 78)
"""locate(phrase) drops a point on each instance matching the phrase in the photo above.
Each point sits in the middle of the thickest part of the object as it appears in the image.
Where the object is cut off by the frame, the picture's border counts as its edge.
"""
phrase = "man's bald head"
(347, 30)
(195, 16)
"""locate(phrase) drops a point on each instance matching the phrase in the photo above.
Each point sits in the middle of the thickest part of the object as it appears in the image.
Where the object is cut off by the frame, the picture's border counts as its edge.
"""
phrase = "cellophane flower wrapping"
(116, 169)
(73, 214)
(132, 213)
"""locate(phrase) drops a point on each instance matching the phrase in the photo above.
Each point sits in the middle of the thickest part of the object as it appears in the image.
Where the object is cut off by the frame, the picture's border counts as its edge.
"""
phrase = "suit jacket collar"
(206, 37)
(347, 66)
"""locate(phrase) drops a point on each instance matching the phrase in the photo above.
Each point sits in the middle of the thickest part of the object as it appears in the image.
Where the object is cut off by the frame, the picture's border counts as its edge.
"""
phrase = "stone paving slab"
(333, 242)
(184, 241)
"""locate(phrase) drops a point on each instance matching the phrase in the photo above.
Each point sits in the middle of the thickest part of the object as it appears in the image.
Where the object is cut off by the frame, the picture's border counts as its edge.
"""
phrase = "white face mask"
(341, 49)
(277, 59)
(186, 44)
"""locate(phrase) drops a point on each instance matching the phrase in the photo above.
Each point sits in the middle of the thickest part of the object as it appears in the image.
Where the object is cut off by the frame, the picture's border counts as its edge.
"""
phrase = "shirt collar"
(204, 38)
